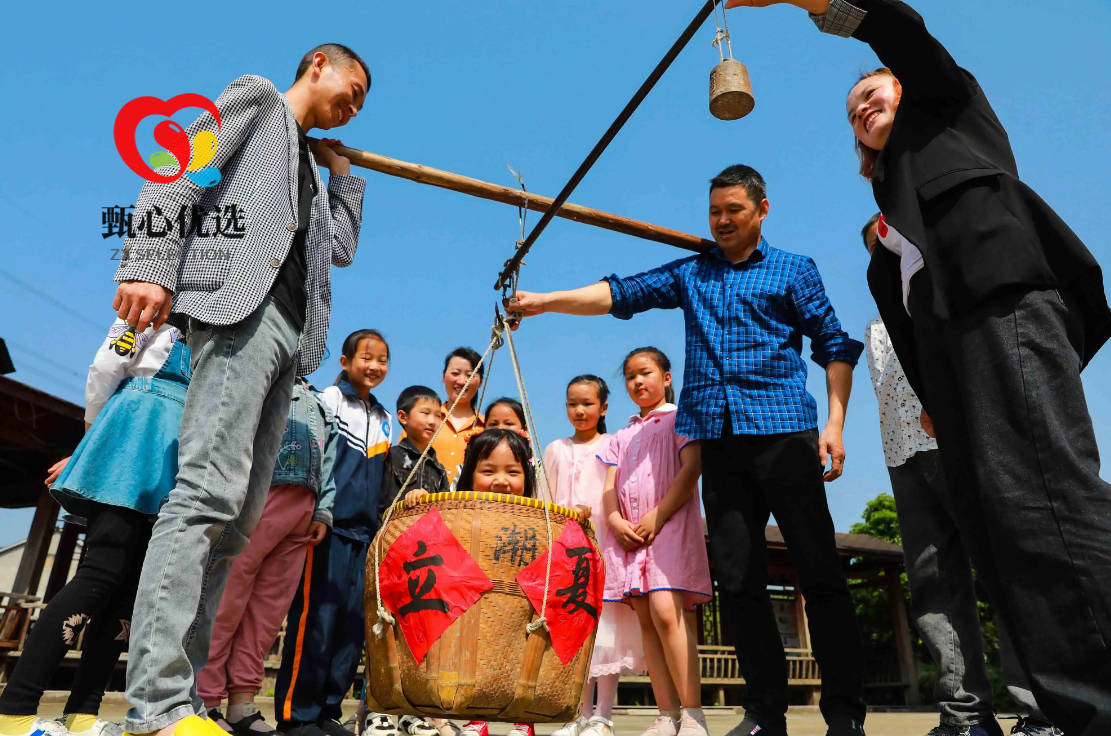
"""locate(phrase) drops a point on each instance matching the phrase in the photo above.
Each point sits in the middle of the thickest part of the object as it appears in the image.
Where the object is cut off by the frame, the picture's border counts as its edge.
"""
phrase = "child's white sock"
(239, 711)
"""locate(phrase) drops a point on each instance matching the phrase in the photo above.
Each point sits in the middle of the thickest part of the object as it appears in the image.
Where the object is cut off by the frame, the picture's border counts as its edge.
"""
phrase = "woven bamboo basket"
(484, 666)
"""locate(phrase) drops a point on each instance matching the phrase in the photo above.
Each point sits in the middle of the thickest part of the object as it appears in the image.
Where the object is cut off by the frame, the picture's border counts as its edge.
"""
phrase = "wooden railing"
(718, 665)
(15, 619)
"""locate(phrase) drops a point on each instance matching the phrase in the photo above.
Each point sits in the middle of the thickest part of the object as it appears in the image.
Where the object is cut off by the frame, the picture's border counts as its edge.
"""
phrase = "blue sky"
(471, 87)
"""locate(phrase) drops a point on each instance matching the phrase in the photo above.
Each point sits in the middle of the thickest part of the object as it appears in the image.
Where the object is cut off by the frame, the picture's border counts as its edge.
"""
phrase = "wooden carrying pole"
(508, 195)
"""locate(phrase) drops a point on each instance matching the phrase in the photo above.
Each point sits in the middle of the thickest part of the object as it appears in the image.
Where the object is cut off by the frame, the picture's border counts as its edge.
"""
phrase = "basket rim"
(534, 503)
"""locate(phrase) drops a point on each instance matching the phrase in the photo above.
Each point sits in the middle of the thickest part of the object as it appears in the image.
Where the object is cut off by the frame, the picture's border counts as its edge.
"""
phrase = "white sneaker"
(445, 727)
(597, 726)
(47, 727)
(573, 728)
(380, 724)
(102, 728)
(416, 726)
(690, 726)
(662, 726)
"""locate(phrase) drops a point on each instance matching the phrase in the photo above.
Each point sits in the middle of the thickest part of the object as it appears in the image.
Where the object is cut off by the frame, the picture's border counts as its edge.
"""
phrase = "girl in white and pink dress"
(659, 563)
(576, 476)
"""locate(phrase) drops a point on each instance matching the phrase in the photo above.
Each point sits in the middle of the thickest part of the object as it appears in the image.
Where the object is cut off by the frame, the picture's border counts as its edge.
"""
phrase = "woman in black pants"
(994, 306)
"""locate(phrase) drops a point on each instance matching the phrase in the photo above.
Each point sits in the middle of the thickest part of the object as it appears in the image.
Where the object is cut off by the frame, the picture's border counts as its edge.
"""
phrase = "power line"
(51, 300)
(35, 356)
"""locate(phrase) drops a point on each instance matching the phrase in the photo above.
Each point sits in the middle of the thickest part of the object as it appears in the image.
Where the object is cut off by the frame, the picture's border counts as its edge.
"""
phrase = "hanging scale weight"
(730, 89)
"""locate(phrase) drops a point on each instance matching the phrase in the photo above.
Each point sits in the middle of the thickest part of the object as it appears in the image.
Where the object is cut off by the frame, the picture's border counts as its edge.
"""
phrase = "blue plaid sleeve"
(819, 322)
(659, 288)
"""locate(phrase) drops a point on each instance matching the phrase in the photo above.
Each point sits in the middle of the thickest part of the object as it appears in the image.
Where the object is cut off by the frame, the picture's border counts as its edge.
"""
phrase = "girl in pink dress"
(659, 564)
(577, 478)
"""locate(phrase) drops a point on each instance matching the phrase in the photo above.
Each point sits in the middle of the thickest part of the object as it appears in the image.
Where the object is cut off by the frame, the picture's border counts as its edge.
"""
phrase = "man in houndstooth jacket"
(256, 319)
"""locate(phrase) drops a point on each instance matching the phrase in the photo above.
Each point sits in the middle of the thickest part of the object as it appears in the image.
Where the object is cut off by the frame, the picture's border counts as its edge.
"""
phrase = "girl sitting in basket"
(496, 461)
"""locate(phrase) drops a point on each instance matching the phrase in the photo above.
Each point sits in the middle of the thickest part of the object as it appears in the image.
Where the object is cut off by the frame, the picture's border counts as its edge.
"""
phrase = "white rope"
(384, 617)
(722, 34)
(499, 335)
(542, 478)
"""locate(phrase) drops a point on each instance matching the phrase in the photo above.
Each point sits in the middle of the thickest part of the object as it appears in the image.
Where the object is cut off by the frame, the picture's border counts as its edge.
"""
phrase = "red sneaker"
(522, 729)
(476, 728)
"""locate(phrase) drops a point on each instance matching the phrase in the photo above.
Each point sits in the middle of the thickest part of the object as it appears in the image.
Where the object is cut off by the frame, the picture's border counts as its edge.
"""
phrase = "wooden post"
(29, 573)
(507, 195)
(63, 561)
(802, 626)
(908, 665)
(801, 622)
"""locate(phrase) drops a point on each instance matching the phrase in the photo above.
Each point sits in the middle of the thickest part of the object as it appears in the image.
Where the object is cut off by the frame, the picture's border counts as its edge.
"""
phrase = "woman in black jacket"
(994, 308)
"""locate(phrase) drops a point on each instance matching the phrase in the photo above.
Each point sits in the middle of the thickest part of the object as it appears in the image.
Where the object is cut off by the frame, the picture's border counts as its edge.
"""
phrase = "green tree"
(879, 520)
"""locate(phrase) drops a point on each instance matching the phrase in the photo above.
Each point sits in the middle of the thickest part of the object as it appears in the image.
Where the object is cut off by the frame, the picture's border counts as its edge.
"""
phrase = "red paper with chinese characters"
(428, 580)
(575, 589)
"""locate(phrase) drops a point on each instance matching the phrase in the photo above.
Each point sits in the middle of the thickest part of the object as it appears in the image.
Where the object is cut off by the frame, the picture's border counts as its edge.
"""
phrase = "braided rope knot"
(385, 619)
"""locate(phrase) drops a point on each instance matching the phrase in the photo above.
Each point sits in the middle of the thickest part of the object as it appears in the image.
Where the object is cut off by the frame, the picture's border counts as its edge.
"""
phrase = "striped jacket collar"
(349, 391)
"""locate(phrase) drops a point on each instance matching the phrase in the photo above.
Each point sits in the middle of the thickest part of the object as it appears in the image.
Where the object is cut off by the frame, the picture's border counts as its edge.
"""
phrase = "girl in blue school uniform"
(116, 479)
(324, 635)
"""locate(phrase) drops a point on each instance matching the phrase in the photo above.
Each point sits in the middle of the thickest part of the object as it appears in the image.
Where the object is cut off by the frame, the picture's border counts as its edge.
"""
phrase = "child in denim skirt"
(116, 479)
(263, 578)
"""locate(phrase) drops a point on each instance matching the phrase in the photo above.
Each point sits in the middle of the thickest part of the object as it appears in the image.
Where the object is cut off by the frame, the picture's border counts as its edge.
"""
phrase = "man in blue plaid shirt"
(746, 307)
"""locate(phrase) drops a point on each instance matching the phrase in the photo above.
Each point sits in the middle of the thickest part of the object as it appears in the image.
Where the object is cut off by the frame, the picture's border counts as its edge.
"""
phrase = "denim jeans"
(235, 413)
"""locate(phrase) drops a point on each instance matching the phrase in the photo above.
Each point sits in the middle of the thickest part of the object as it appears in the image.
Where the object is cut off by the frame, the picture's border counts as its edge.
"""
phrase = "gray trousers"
(235, 414)
(943, 601)
(1003, 388)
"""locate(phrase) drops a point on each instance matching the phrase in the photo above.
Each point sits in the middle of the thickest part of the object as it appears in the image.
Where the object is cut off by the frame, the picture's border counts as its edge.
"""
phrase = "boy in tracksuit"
(325, 634)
